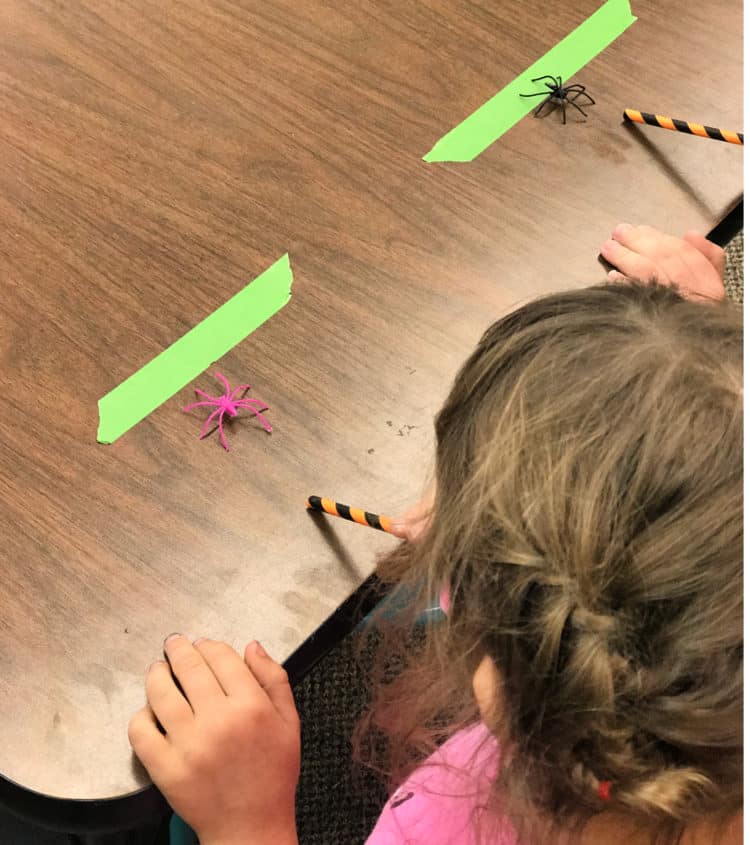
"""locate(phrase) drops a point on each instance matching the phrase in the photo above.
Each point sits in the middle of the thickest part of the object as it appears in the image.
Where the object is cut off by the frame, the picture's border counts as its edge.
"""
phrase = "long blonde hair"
(588, 519)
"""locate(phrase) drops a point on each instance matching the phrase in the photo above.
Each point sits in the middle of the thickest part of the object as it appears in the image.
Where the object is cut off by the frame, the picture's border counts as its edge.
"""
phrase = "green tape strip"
(506, 108)
(189, 356)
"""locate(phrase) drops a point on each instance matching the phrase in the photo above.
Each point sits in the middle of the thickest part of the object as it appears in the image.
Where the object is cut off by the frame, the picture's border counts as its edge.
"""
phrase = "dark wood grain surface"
(154, 158)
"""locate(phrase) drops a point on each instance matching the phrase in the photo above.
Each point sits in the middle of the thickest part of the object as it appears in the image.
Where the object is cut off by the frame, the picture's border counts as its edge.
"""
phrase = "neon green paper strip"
(506, 108)
(189, 356)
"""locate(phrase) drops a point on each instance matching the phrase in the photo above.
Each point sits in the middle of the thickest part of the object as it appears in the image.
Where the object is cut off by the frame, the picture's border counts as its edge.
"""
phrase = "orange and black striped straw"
(635, 116)
(382, 523)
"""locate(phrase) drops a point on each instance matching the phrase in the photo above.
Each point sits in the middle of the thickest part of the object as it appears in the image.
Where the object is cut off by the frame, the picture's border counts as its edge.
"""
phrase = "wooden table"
(154, 158)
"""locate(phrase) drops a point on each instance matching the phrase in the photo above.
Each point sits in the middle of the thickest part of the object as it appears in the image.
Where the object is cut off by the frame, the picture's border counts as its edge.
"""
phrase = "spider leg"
(547, 76)
(575, 105)
(252, 404)
(198, 405)
(267, 425)
(263, 420)
(542, 105)
(563, 109)
(537, 94)
(224, 381)
(204, 431)
(240, 403)
(221, 432)
(588, 96)
(204, 394)
(259, 415)
(239, 389)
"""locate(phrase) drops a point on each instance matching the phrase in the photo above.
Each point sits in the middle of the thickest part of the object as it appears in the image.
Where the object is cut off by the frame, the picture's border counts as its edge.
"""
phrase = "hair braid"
(588, 518)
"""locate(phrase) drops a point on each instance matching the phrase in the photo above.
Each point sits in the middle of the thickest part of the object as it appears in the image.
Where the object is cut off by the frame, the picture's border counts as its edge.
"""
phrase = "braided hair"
(588, 521)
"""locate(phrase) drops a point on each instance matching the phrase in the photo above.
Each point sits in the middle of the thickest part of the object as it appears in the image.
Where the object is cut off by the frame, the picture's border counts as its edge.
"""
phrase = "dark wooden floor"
(156, 157)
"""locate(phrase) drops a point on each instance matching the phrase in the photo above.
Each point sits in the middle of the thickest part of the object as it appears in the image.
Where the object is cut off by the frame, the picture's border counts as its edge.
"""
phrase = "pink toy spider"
(229, 403)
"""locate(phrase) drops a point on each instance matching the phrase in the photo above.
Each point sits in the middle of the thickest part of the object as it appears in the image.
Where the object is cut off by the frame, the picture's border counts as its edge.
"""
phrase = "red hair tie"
(604, 787)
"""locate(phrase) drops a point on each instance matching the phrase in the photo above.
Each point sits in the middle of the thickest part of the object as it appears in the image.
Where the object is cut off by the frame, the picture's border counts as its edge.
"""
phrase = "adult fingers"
(274, 680)
(713, 252)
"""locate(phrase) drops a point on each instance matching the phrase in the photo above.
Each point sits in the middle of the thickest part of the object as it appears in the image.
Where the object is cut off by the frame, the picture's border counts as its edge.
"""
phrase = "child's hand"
(692, 263)
(413, 523)
(229, 762)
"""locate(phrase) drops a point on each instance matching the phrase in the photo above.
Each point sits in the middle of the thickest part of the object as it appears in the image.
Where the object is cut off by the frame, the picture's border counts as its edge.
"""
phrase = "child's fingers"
(150, 746)
(201, 687)
(616, 276)
(274, 680)
(228, 667)
(679, 261)
(400, 529)
(167, 703)
(690, 263)
(409, 529)
(631, 263)
(412, 524)
(713, 252)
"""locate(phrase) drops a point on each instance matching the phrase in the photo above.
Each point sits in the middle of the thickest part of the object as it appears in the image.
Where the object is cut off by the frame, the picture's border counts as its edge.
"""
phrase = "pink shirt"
(438, 804)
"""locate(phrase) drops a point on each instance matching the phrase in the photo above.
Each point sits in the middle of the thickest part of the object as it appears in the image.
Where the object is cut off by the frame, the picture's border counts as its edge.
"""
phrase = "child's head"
(588, 519)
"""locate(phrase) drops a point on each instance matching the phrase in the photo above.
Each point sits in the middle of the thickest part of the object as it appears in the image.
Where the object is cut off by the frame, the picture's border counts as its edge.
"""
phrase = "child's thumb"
(713, 252)
(273, 679)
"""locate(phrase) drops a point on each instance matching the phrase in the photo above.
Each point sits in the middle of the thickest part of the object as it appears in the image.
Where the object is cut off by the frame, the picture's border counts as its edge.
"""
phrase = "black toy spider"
(559, 95)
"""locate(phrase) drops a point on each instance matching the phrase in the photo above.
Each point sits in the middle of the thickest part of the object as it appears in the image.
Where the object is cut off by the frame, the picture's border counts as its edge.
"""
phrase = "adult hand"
(692, 263)
(229, 759)
(412, 524)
